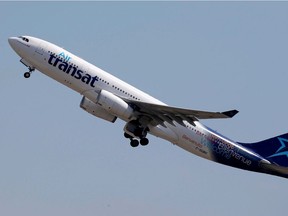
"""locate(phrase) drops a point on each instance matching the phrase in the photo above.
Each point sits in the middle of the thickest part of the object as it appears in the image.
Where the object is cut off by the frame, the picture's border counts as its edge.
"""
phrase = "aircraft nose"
(12, 41)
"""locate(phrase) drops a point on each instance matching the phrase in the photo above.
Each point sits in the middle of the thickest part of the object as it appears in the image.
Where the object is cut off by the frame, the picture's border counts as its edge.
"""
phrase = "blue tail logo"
(283, 149)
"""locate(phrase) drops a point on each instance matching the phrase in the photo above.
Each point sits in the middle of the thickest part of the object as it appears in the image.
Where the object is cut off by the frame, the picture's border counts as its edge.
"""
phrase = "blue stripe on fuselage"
(228, 152)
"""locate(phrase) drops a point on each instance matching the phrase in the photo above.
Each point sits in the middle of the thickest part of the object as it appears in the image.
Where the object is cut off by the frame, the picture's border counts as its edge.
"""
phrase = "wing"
(159, 114)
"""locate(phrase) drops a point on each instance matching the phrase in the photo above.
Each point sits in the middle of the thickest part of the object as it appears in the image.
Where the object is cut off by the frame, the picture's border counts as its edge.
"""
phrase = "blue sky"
(56, 159)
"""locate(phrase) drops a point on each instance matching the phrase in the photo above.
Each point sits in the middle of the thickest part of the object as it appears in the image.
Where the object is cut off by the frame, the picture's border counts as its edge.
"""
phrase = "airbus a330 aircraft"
(109, 98)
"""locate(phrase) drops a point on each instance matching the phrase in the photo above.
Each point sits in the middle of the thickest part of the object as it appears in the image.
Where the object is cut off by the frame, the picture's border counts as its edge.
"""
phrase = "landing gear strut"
(28, 74)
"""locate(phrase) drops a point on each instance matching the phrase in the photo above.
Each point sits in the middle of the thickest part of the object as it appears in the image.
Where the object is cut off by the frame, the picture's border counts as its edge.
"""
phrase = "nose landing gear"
(28, 74)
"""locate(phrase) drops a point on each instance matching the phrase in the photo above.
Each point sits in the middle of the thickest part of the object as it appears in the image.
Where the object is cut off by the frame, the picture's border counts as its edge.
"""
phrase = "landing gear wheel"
(134, 143)
(144, 141)
(27, 74)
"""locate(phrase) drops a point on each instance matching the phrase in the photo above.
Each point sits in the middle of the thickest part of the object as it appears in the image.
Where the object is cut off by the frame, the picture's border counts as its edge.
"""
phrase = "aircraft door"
(39, 49)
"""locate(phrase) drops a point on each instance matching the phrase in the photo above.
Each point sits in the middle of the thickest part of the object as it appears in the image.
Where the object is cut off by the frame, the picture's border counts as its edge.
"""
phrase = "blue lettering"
(86, 78)
(65, 57)
(63, 66)
(78, 74)
(71, 69)
(93, 81)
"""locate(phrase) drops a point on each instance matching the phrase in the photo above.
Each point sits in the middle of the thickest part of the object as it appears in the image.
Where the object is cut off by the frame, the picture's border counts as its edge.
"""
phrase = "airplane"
(109, 98)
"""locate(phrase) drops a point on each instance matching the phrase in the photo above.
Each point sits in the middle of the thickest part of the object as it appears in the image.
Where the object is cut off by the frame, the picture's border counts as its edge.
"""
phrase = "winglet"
(230, 113)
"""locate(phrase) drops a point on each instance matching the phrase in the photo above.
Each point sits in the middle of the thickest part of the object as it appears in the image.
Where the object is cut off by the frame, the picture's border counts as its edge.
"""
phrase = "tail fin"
(274, 149)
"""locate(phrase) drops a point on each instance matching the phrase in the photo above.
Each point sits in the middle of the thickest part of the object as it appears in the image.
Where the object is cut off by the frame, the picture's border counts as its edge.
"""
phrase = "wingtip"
(230, 113)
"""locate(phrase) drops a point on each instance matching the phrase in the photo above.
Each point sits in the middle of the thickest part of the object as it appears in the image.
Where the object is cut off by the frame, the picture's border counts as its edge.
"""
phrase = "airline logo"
(64, 65)
(283, 149)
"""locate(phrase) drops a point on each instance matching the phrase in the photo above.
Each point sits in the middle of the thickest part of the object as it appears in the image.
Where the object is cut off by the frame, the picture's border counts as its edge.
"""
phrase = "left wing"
(158, 114)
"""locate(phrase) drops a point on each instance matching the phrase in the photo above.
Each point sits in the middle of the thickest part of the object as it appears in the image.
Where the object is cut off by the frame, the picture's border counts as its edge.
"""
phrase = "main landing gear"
(135, 142)
(28, 74)
(136, 132)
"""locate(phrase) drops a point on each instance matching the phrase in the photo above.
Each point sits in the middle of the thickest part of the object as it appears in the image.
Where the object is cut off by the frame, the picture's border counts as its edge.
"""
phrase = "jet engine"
(107, 106)
(96, 110)
(114, 105)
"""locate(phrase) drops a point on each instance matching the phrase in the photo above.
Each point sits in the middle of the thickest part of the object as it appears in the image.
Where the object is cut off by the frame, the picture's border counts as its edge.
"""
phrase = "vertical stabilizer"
(274, 149)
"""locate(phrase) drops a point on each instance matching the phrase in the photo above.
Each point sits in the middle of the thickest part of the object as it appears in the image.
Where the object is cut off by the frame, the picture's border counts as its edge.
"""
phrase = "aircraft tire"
(144, 141)
(27, 75)
(134, 143)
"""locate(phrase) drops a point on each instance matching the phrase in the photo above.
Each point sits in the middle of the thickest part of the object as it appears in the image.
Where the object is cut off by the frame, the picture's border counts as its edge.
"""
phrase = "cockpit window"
(24, 38)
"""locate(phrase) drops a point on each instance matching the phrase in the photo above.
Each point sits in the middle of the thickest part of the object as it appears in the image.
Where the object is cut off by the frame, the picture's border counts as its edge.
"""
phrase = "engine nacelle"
(96, 110)
(114, 105)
